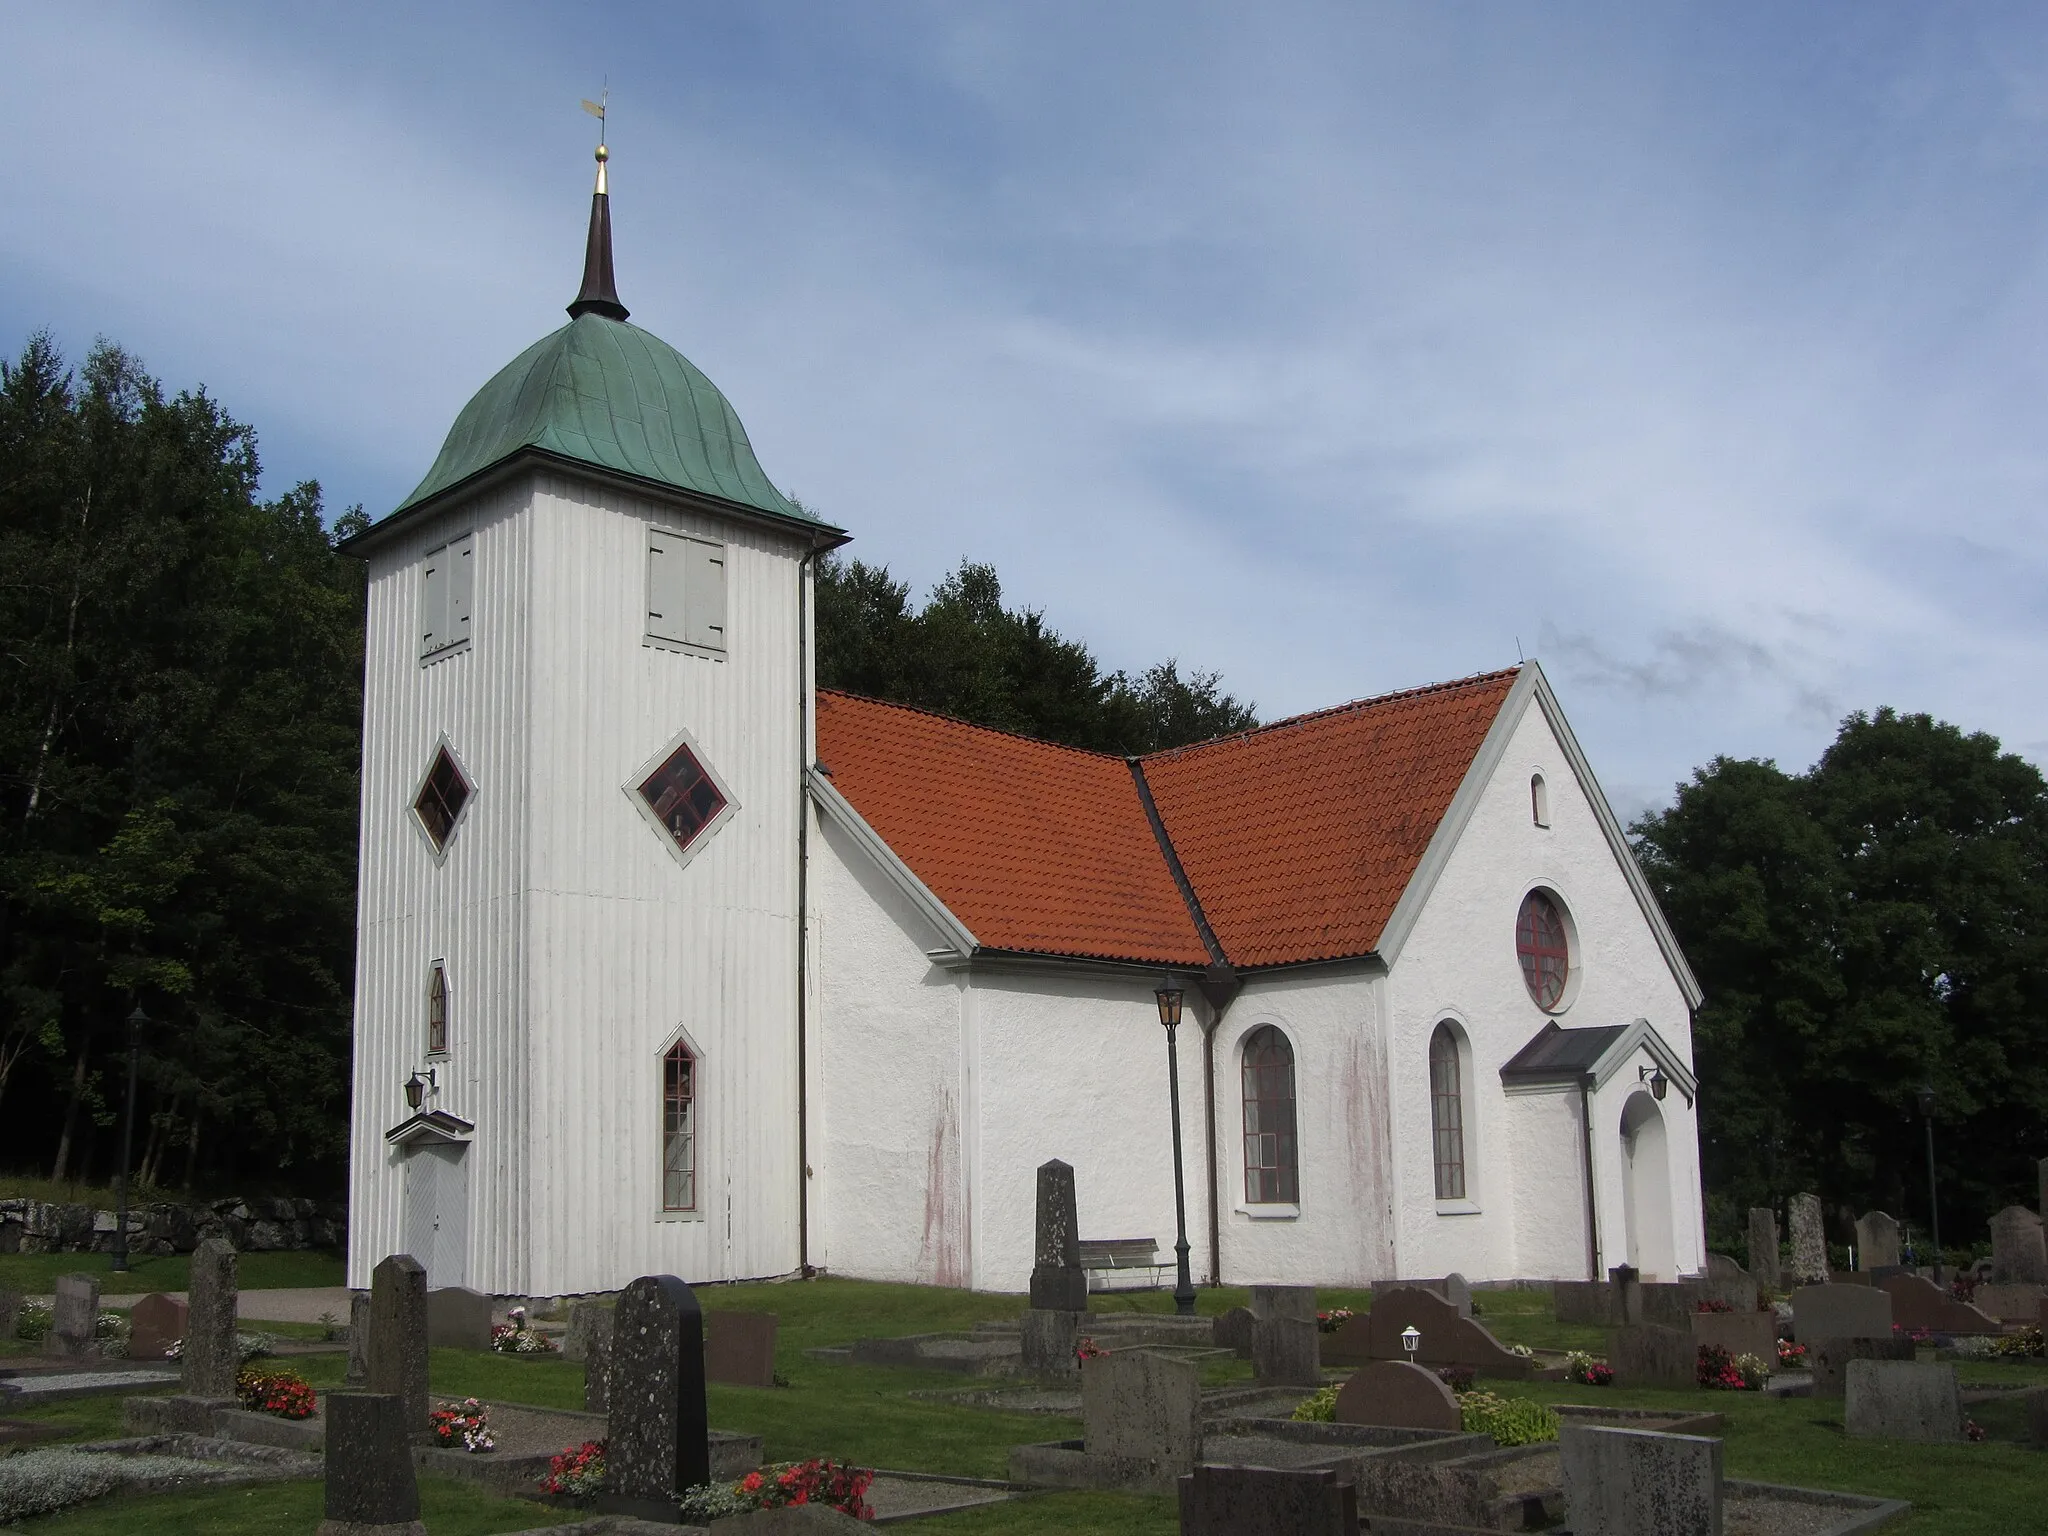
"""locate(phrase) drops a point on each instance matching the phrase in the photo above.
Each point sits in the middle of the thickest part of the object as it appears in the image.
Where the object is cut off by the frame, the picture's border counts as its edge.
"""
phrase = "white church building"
(670, 961)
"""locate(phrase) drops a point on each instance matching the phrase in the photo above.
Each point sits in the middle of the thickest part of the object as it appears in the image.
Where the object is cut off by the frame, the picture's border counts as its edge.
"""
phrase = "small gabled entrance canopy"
(430, 1126)
(1564, 1058)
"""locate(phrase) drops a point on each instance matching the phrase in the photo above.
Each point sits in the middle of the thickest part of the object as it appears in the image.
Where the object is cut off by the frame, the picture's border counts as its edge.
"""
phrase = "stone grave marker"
(211, 1357)
(2018, 1253)
(358, 1374)
(1918, 1303)
(1266, 1501)
(154, 1324)
(739, 1348)
(1830, 1359)
(1454, 1288)
(1632, 1482)
(587, 1320)
(1903, 1400)
(1447, 1339)
(2008, 1303)
(597, 1371)
(1048, 1339)
(1142, 1407)
(10, 1312)
(1650, 1355)
(1627, 1284)
(77, 1314)
(458, 1318)
(1058, 1283)
(1740, 1333)
(1395, 1393)
(1809, 1241)
(1841, 1312)
(1286, 1344)
(1877, 1241)
(659, 1433)
(2037, 1416)
(398, 1336)
(370, 1486)
(1233, 1331)
(1763, 1247)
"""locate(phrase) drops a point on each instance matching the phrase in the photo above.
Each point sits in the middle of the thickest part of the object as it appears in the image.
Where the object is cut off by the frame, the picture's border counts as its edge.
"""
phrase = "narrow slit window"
(679, 1130)
(1539, 800)
(441, 799)
(1447, 1114)
(437, 1011)
(1270, 1176)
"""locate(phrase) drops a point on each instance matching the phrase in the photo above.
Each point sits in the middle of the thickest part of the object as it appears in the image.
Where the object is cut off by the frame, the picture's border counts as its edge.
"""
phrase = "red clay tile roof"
(1035, 847)
(1298, 838)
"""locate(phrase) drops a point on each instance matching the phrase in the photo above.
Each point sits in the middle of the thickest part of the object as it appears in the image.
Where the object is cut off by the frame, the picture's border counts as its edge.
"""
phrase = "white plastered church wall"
(1458, 962)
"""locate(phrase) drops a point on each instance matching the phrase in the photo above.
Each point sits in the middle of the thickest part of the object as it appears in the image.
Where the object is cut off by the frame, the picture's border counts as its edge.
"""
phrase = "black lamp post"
(1168, 996)
(138, 1021)
(1933, 1194)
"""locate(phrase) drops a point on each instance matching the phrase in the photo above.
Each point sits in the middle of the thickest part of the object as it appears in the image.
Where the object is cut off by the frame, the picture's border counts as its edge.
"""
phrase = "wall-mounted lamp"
(1659, 1083)
(416, 1088)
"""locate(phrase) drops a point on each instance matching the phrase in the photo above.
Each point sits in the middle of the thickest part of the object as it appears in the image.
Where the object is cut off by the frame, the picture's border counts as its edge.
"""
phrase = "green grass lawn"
(866, 1414)
(36, 1273)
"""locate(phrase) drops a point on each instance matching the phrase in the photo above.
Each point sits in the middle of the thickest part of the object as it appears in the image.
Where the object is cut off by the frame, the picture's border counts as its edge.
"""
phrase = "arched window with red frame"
(679, 1130)
(1541, 941)
(1270, 1176)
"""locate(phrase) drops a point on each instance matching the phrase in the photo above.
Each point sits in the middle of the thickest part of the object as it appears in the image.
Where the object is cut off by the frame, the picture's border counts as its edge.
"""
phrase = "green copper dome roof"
(602, 392)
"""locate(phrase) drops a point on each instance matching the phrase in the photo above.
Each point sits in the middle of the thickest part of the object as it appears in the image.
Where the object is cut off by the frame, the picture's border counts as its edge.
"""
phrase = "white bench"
(1122, 1263)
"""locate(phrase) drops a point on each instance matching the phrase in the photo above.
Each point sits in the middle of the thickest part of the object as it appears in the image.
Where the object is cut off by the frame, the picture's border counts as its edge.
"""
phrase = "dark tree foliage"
(1877, 923)
(180, 720)
(965, 654)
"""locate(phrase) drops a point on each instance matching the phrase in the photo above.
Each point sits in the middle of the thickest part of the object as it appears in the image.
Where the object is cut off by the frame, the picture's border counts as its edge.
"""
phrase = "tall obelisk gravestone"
(1059, 1287)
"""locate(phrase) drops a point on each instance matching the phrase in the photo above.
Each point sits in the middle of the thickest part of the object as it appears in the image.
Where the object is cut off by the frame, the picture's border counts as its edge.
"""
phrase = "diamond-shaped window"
(682, 796)
(443, 794)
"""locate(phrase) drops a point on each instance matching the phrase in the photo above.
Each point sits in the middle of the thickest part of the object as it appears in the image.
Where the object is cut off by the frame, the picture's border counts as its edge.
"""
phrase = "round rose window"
(1546, 954)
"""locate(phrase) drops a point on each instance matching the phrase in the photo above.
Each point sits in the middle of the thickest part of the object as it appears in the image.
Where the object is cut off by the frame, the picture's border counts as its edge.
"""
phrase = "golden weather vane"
(597, 110)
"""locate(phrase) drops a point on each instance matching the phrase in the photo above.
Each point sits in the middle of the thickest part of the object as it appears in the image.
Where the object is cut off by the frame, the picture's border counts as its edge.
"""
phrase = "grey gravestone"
(1393, 1392)
(1877, 1241)
(458, 1318)
(1266, 1501)
(1903, 1400)
(659, 1440)
(1830, 1359)
(1286, 1342)
(77, 1314)
(1627, 1283)
(1049, 1339)
(1841, 1312)
(1058, 1283)
(358, 1341)
(10, 1312)
(739, 1348)
(370, 1481)
(154, 1325)
(1233, 1331)
(1647, 1355)
(1740, 1333)
(2009, 1303)
(1809, 1241)
(2018, 1255)
(398, 1336)
(1918, 1303)
(597, 1371)
(1446, 1338)
(1142, 1406)
(588, 1320)
(1763, 1247)
(212, 1357)
(1631, 1482)
(1722, 1266)
(1458, 1292)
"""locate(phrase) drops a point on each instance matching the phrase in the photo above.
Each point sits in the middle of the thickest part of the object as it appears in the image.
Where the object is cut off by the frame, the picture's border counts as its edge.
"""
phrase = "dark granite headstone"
(398, 1336)
(1446, 1338)
(1233, 1331)
(1266, 1501)
(1393, 1392)
(458, 1318)
(2018, 1253)
(358, 1341)
(1646, 1355)
(739, 1348)
(1058, 1283)
(370, 1481)
(76, 1317)
(1763, 1247)
(659, 1433)
(154, 1324)
(597, 1370)
(211, 1356)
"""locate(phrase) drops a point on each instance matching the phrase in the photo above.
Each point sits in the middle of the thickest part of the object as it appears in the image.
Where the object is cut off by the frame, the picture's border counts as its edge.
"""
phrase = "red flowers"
(577, 1472)
(1708, 1304)
(821, 1481)
(1739, 1373)
(287, 1395)
(1791, 1357)
(1087, 1349)
(1332, 1320)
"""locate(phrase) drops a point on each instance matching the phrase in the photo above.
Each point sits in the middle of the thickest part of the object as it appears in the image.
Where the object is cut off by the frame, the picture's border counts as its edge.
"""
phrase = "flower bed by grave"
(578, 1473)
(466, 1424)
(1721, 1371)
(1581, 1367)
(284, 1393)
(1510, 1420)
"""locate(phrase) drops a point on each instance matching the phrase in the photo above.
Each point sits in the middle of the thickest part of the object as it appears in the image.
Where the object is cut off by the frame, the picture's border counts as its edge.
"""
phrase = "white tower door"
(1646, 1189)
(436, 1222)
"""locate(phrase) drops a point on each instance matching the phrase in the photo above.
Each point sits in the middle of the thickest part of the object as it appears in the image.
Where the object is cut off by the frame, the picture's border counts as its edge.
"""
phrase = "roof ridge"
(975, 725)
(1338, 709)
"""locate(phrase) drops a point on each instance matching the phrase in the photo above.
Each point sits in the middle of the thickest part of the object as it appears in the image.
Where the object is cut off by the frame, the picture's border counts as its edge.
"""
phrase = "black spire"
(600, 295)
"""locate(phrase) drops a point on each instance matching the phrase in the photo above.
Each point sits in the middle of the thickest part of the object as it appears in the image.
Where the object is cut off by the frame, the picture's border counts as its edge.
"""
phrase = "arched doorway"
(1646, 1188)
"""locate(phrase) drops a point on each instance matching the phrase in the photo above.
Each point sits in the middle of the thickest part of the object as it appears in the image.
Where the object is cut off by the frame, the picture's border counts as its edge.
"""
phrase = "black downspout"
(803, 919)
(1592, 1203)
(1215, 1275)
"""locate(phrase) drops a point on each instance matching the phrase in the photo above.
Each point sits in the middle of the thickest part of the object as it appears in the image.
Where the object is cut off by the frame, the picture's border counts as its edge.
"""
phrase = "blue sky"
(1695, 350)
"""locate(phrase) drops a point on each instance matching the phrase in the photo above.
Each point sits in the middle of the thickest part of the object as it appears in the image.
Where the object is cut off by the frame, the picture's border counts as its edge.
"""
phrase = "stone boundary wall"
(252, 1226)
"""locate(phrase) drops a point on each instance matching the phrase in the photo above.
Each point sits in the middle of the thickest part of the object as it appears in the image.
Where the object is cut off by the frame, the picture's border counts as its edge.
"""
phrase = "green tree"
(179, 733)
(1877, 923)
(965, 654)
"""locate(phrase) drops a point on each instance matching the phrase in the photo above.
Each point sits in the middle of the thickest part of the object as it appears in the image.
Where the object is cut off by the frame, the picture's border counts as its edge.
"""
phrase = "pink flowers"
(280, 1392)
(1332, 1320)
(577, 1472)
(467, 1424)
(1736, 1373)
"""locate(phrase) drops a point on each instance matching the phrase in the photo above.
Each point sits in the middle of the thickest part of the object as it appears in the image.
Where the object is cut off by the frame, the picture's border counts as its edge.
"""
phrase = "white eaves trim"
(960, 944)
(1531, 683)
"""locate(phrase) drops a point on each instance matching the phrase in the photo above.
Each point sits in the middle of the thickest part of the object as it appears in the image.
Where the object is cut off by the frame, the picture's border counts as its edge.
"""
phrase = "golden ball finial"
(603, 154)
